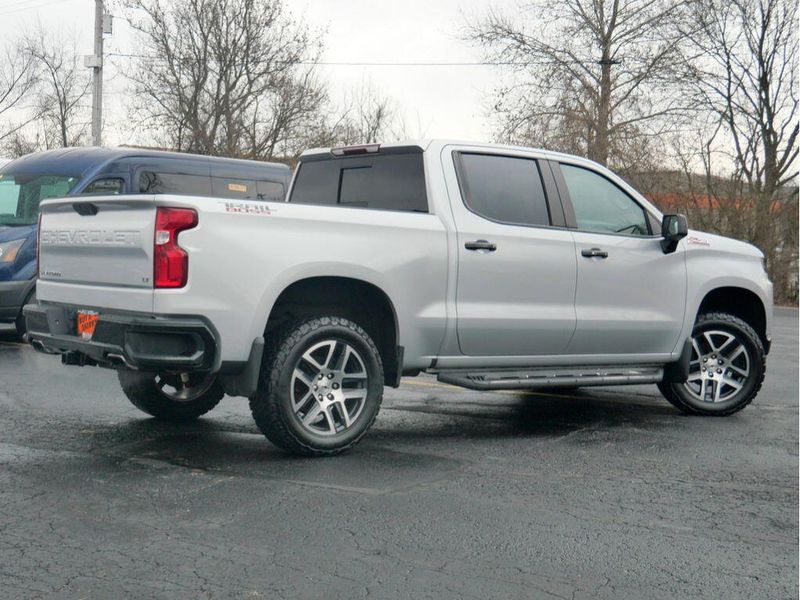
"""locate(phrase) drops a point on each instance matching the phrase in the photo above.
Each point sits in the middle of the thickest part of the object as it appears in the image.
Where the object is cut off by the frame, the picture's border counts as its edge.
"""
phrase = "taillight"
(38, 242)
(170, 261)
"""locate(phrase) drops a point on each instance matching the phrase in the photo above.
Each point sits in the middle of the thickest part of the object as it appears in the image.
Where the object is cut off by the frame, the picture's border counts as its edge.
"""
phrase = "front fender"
(710, 268)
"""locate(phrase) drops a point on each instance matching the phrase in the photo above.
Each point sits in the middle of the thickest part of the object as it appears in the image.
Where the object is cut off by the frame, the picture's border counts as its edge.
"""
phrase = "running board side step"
(507, 379)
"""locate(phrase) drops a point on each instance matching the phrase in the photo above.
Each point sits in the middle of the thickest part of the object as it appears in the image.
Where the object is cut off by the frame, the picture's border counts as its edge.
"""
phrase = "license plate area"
(86, 323)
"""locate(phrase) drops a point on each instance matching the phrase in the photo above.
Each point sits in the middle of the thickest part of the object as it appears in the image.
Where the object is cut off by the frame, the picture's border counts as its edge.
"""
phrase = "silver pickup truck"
(492, 267)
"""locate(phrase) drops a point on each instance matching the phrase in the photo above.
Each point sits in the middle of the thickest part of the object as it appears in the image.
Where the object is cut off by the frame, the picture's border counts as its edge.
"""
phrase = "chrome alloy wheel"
(184, 387)
(719, 367)
(329, 387)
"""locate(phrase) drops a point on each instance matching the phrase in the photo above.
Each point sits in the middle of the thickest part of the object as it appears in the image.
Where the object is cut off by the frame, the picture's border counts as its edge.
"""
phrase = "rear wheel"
(321, 387)
(726, 370)
(173, 397)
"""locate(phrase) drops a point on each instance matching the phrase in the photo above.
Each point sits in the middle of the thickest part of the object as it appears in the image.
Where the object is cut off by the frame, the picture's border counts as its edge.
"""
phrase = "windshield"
(20, 195)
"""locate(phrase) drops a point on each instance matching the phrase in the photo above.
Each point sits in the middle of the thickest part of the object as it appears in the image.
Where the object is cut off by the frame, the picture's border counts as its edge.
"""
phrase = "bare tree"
(745, 77)
(17, 80)
(593, 77)
(62, 87)
(223, 76)
(365, 116)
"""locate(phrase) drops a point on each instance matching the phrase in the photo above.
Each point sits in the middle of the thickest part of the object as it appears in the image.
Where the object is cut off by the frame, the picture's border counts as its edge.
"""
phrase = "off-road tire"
(271, 404)
(677, 394)
(141, 390)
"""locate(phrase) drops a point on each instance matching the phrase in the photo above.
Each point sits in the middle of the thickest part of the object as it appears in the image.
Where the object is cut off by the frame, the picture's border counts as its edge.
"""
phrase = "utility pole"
(97, 74)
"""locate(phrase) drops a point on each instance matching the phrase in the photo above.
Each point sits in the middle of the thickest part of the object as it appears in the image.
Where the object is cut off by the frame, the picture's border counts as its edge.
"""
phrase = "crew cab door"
(631, 296)
(516, 262)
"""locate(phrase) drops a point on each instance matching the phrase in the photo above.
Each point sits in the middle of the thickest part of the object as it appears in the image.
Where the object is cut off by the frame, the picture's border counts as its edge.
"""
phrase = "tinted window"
(151, 182)
(317, 183)
(246, 189)
(270, 190)
(504, 188)
(385, 182)
(234, 188)
(601, 206)
(109, 186)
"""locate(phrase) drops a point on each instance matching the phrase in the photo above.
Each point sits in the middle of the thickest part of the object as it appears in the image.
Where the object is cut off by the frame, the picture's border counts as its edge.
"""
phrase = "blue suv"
(25, 182)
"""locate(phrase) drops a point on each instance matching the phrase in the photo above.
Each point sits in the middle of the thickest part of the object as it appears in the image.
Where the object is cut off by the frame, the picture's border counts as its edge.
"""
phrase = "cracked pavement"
(590, 494)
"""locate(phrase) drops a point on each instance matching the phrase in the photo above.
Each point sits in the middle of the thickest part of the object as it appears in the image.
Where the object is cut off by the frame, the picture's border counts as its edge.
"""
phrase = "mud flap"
(678, 371)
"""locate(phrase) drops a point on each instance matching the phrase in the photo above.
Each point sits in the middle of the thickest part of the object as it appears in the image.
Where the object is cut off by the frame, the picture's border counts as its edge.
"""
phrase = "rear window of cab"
(380, 182)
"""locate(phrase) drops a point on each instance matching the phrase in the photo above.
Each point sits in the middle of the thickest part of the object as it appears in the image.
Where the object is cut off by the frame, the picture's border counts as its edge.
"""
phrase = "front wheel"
(173, 397)
(321, 387)
(726, 370)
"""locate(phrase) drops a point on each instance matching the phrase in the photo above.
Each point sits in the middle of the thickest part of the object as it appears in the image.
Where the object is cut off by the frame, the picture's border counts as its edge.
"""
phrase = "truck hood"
(697, 240)
(9, 234)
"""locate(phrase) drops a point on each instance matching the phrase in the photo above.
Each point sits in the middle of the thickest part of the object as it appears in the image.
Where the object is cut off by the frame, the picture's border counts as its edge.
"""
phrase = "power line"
(27, 6)
(361, 64)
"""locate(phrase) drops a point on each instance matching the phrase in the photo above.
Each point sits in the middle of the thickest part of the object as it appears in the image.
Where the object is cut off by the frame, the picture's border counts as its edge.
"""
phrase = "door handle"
(594, 253)
(480, 245)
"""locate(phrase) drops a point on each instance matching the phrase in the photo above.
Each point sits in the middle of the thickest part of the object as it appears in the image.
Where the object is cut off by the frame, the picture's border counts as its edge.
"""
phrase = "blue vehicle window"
(270, 190)
(20, 195)
(105, 187)
(151, 182)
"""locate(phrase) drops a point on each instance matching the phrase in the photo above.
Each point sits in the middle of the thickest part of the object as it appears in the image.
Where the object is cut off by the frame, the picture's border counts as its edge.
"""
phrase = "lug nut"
(719, 370)
(321, 376)
(704, 368)
(316, 387)
(321, 396)
(330, 375)
(330, 396)
(719, 361)
(336, 386)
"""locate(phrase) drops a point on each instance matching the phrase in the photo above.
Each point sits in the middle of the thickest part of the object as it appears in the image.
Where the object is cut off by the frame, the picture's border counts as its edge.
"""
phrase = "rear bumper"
(135, 341)
(12, 296)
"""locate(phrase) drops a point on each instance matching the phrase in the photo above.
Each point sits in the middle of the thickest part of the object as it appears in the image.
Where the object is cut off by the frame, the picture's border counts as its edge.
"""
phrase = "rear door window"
(382, 182)
(506, 189)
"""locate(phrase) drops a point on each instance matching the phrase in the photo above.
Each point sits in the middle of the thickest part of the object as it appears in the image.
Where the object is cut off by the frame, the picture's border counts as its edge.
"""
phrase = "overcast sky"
(437, 101)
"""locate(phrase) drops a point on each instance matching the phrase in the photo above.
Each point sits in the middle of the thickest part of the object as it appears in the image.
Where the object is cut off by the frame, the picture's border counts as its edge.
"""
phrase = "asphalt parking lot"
(455, 494)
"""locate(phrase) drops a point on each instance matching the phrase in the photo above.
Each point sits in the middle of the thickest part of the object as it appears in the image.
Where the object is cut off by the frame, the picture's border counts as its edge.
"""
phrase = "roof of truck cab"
(78, 161)
(428, 144)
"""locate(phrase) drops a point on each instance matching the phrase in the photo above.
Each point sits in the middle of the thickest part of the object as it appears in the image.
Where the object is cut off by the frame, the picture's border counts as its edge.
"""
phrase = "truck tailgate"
(97, 251)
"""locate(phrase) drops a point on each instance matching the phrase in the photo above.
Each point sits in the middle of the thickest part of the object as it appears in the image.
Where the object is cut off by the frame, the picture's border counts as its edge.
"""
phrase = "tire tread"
(265, 405)
(668, 391)
(143, 394)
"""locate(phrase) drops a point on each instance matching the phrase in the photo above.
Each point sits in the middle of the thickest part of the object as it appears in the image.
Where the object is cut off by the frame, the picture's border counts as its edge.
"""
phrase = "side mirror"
(673, 229)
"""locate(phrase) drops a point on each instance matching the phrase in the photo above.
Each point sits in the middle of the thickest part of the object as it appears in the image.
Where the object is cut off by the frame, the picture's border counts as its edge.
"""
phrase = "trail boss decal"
(697, 241)
(248, 208)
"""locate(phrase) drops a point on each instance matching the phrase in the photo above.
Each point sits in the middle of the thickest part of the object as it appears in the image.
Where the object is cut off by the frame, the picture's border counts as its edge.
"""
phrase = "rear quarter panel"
(244, 254)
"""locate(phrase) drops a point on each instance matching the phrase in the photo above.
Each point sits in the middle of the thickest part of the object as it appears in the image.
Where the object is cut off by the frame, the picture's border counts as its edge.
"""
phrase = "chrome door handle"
(594, 253)
(480, 245)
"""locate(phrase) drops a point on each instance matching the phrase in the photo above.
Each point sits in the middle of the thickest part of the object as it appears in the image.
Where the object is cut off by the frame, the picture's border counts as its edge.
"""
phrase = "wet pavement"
(591, 494)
